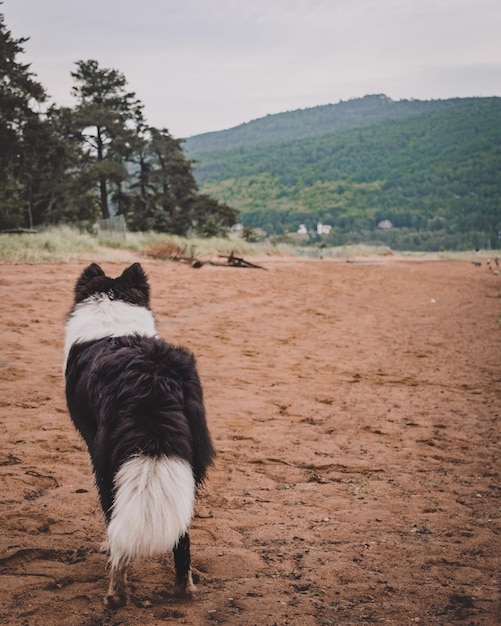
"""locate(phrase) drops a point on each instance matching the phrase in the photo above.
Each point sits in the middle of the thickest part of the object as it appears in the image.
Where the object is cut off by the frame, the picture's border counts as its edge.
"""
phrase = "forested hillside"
(431, 169)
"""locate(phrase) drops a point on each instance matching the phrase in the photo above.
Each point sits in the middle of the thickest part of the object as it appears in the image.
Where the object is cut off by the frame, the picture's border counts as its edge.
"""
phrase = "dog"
(137, 401)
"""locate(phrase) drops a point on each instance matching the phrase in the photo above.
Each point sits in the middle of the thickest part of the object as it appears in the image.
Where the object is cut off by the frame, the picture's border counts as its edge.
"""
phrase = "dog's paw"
(183, 593)
(114, 601)
(185, 590)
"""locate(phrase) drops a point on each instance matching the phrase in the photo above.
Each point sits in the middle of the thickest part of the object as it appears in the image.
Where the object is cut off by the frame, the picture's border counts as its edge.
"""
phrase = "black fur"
(134, 394)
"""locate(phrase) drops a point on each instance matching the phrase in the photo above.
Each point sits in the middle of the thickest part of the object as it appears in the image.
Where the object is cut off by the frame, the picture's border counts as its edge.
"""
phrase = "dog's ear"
(135, 277)
(91, 272)
(86, 277)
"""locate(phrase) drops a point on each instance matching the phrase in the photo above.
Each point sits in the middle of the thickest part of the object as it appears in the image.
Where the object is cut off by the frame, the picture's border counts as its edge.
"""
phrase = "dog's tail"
(152, 507)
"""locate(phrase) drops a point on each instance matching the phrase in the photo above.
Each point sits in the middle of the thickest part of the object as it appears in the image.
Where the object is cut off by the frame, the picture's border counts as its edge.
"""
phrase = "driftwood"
(231, 261)
(235, 261)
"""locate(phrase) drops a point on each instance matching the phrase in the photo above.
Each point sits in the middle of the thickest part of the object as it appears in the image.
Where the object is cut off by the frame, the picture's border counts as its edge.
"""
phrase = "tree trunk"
(103, 190)
(104, 197)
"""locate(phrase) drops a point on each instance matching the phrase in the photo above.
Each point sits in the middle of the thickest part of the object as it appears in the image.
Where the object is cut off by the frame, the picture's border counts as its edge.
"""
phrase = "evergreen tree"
(165, 196)
(104, 115)
(164, 184)
(173, 181)
(44, 159)
(19, 93)
(210, 217)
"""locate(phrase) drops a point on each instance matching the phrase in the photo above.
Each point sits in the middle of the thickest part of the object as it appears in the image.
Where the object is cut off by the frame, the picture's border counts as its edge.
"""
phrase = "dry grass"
(164, 251)
(64, 244)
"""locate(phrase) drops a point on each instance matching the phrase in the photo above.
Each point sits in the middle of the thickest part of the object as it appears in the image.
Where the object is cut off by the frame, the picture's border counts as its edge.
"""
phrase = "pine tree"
(104, 115)
(19, 94)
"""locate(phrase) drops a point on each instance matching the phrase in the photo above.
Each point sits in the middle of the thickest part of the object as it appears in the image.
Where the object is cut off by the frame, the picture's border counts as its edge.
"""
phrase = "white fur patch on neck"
(99, 317)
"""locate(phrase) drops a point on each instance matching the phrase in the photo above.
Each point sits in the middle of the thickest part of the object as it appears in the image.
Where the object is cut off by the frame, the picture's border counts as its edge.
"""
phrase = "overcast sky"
(205, 65)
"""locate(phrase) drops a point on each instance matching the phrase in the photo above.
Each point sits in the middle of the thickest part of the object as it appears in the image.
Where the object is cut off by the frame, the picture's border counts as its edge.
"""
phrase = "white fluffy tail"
(152, 509)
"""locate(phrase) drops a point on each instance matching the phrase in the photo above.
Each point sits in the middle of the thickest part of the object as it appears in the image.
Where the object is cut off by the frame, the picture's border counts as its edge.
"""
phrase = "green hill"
(432, 169)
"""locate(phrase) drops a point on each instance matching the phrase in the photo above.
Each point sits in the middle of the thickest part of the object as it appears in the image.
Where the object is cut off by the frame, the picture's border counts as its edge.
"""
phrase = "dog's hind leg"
(117, 592)
(182, 561)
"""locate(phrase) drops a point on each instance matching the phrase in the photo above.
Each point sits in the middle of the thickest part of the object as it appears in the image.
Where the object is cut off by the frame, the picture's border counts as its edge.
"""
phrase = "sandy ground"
(355, 409)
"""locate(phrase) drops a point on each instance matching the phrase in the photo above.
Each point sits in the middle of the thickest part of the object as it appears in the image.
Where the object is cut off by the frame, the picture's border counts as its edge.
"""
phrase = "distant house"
(323, 229)
(385, 225)
(302, 230)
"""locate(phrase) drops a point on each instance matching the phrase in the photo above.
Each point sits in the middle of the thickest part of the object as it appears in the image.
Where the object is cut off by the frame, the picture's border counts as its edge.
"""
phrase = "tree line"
(95, 159)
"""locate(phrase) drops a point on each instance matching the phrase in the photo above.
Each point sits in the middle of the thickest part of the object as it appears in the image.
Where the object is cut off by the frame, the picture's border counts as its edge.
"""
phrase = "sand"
(355, 410)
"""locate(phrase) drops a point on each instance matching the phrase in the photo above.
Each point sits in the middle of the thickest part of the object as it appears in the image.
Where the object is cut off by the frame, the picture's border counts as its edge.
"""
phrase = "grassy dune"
(64, 244)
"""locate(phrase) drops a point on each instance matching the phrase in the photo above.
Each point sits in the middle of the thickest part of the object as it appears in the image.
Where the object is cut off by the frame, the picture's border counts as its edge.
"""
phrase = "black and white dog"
(138, 403)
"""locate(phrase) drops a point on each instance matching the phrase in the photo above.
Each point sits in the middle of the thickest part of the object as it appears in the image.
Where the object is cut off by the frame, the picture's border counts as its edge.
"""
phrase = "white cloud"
(201, 66)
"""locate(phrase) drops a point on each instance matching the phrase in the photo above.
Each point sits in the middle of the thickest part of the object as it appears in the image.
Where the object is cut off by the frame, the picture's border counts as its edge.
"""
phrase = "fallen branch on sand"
(235, 261)
(172, 252)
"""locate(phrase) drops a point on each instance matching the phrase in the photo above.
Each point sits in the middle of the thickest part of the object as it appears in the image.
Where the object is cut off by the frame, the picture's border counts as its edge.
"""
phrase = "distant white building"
(385, 225)
(302, 230)
(323, 229)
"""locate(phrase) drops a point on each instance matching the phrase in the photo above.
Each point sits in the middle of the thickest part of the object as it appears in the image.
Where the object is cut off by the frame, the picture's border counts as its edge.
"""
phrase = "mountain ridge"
(314, 121)
(430, 168)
